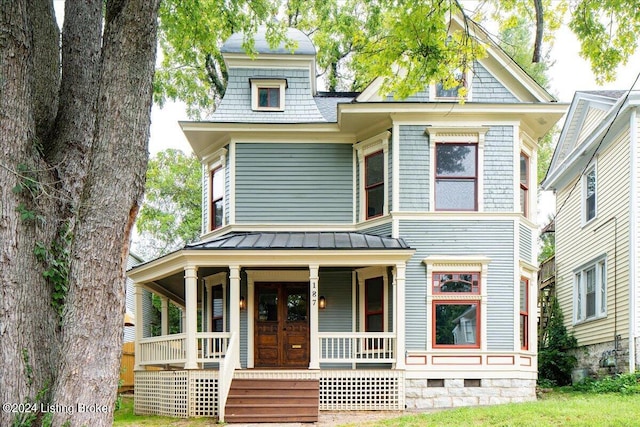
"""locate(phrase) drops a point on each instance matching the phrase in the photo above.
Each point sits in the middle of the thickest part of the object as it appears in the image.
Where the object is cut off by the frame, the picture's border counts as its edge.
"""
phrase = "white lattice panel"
(161, 393)
(376, 390)
(203, 393)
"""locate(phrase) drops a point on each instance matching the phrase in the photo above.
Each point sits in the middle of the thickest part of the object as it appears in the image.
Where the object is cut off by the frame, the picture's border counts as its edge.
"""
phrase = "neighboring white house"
(379, 254)
(595, 173)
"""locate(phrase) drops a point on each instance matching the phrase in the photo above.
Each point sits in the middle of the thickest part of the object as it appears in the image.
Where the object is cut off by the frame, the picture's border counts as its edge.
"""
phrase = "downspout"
(633, 131)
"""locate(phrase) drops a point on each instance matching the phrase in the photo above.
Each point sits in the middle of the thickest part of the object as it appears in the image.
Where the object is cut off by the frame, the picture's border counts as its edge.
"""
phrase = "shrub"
(554, 361)
(619, 383)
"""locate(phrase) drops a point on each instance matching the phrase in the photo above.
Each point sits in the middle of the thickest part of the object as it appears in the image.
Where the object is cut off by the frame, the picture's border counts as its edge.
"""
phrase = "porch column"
(164, 316)
(314, 345)
(209, 314)
(138, 326)
(399, 313)
(234, 304)
(191, 316)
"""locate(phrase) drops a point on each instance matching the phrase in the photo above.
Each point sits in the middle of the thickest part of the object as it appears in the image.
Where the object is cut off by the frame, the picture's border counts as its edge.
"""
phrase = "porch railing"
(212, 345)
(358, 347)
(227, 368)
(164, 350)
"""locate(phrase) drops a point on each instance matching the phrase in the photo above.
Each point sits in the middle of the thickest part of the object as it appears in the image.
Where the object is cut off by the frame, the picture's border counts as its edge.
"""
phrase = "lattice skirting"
(179, 394)
(348, 390)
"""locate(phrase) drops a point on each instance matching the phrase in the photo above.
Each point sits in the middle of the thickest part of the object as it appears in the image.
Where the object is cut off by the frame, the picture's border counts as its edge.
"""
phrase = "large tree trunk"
(73, 152)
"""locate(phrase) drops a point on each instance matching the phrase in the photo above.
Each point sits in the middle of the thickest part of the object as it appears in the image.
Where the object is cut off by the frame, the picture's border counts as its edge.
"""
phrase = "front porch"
(328, 315)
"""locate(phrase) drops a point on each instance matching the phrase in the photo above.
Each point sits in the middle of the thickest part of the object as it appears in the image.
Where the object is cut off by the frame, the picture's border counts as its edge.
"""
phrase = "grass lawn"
(557, 408)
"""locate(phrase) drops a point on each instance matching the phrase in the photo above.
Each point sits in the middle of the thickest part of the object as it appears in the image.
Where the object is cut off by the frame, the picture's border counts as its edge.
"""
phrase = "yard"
(556, 408)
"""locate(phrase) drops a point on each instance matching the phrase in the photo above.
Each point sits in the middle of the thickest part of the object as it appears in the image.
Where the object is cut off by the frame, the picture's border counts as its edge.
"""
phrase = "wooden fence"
(126, 367)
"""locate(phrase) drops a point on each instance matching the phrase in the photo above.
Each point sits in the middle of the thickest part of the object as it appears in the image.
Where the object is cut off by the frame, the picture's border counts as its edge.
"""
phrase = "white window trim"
(456, 135)
(217, 160)
(580, 295)
(452, 264)
(219, 279)
(280, 84)
(583, 201)
(527, 146)
(528, 272)
(364, 274)
(363, 149)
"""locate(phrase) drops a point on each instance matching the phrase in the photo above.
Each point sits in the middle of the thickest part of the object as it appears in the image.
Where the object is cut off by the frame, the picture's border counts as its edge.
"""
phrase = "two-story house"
(595, 172)
(377, 254)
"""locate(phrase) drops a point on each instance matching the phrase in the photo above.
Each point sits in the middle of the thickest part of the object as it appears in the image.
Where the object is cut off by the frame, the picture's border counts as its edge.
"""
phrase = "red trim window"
(456, 322)
(374, 304)
(374, 184)
(524, 313)
(456, 177)
(524, 184)
(269, 97)
(217, 194)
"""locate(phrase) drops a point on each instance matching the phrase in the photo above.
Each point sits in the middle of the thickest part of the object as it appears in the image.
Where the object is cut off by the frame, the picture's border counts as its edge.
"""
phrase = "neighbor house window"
(524, 184)
(217, 195)
(374, 184)
(524, 313)
(268, 94)
(589, 183)
(456, 176)
(456, 317)
(591, 291)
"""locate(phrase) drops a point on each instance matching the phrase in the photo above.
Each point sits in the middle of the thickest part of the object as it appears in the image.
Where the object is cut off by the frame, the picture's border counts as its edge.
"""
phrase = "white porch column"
(139, 325)
(164, 316)
(314, 346)
(399, 273)
(234, 304)
(191, 316)
(209, 311)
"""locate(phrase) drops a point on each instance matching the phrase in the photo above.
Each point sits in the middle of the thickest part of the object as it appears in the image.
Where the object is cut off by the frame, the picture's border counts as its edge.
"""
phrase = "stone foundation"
(592, 358)
(421, 394)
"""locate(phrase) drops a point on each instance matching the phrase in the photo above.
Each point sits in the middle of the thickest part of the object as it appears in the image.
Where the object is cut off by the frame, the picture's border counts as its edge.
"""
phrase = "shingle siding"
(486, 88)
(493, 239)
(499, 170)
(294, 183)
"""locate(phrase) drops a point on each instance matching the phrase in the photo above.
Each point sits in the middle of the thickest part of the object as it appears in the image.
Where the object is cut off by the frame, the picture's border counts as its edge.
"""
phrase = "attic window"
(451, 92)
(268, 94)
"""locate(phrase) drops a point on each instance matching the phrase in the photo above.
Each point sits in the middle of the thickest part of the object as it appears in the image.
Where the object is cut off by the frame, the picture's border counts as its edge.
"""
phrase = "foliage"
(175, 317)
(555, 362)
(171, 213)
(548, 248)
(619, 383)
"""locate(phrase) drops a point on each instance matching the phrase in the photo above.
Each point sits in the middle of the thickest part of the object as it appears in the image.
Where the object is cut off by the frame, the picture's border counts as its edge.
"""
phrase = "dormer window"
(268, 94)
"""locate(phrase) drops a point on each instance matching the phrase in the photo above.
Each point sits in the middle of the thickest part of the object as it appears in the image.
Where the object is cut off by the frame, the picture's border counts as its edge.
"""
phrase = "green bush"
(555, 363)
(619, 383)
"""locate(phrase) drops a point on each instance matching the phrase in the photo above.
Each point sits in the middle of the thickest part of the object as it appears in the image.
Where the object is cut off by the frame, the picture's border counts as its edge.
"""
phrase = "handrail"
(212, 346)
(225, 376)
(167, 349)
(357, 347)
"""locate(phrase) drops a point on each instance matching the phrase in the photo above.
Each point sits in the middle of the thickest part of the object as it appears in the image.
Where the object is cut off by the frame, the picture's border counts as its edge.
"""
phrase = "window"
(591, 291)
(374, 184)
(589, 183)
(456, 318)
(456, 176)
(374, 304)
(524, 313)
(268, 94)
(217, 310)
(217, 194)
(524, 184)
(443, 91)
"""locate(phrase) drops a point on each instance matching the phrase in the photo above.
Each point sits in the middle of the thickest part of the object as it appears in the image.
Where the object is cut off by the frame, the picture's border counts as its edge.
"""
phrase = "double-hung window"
(456, 176)
(374, 184)
(589, 191)
(524, 184)
(524, 313)
(372, 178)
(217, 196)
(456, 309)
(590, 291)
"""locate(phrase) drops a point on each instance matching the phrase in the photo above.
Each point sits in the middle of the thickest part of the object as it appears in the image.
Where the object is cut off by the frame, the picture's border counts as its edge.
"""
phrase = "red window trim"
(372, 186)
(439, 292)
(454, 302)
(457, 177)
(368, 312)
(212, 207)
(525, 186)
(525, 345)
(268, 89)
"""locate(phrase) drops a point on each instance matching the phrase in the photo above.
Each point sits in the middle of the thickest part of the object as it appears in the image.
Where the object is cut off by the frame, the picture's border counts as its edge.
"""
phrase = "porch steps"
(272, 401)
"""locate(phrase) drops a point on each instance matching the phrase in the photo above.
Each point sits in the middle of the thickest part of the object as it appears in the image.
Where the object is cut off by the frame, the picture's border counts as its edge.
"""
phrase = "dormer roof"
(303, 45)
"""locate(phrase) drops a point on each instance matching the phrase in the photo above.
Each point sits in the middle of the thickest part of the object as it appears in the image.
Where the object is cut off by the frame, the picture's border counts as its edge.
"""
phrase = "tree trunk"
(73, 152)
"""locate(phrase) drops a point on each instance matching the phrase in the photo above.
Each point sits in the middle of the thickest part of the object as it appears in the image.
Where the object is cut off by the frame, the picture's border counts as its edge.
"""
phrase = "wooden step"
(272, 401)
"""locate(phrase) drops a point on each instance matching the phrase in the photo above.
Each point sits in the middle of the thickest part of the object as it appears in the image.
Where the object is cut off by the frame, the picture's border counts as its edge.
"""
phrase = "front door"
(282, 325)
